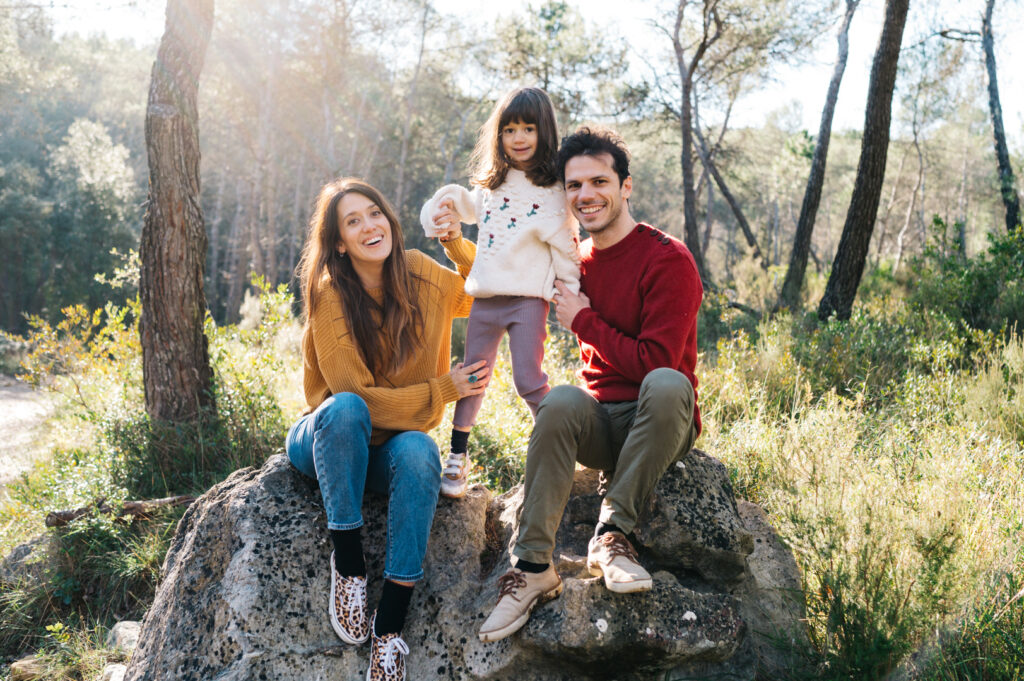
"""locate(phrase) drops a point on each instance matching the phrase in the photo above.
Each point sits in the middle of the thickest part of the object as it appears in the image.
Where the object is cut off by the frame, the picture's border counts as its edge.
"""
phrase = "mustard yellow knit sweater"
(413, 398)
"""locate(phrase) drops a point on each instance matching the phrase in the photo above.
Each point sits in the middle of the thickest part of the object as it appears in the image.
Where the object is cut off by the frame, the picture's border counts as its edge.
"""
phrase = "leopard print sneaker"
(387, 657)
(348, 609)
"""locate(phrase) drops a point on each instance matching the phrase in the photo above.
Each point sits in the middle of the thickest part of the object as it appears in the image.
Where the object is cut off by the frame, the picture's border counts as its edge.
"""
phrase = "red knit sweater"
(644, 295)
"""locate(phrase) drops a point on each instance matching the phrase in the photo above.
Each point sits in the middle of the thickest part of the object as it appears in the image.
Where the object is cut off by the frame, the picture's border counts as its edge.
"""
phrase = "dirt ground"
(23, 412)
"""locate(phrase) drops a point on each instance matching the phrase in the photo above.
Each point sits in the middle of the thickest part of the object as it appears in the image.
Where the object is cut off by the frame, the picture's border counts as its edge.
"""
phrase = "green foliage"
(98, 569)
(551, 47)
(987, 646)
(986, 292)
(887, 452)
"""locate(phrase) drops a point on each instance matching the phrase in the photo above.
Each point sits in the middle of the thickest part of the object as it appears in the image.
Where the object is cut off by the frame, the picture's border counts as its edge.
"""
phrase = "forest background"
(888, 448)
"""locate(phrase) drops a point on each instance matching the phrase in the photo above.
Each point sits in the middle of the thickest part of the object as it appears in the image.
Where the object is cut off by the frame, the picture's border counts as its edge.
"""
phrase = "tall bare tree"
(1007, 183)
(687, 62)
(789, 297)
(175, 360)
(848, 265)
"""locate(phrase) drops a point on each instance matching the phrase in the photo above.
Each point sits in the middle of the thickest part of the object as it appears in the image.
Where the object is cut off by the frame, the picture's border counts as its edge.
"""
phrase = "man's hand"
(568, 304)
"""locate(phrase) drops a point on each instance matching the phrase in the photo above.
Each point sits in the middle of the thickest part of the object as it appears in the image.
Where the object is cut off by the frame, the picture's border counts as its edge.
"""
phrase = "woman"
(376, 349)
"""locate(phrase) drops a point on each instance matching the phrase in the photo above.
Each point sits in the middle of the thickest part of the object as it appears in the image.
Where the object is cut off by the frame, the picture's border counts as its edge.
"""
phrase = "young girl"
(527, 239)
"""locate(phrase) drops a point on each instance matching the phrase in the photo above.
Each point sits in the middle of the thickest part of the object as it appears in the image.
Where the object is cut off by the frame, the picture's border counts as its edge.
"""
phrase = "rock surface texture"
(246, 583)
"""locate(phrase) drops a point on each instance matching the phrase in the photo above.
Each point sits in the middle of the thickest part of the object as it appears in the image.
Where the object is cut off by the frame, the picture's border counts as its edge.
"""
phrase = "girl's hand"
(472, 379)
(447, 221)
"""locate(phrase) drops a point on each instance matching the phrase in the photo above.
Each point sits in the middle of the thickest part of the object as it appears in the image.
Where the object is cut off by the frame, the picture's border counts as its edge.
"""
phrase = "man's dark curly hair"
(587, 141)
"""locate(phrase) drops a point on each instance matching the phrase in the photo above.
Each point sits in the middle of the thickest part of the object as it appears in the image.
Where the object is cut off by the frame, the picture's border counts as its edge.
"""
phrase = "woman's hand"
(447, 221)
(472, 379)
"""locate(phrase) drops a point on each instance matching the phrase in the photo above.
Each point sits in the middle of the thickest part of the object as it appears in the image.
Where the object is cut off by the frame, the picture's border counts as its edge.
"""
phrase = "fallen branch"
(744, 308)
(140, 509)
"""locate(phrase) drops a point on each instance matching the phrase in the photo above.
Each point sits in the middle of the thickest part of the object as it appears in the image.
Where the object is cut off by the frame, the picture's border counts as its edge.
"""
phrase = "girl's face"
(365, 232)
(519, 140)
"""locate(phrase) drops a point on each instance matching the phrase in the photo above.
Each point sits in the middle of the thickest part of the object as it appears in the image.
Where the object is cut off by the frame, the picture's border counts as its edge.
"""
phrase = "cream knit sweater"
(527, 238)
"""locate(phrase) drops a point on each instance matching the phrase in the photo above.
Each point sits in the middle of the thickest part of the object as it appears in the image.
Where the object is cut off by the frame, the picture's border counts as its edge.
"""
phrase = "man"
(636, 321)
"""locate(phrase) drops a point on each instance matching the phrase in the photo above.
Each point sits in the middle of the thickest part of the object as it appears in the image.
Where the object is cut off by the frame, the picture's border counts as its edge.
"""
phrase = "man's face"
(593, 191)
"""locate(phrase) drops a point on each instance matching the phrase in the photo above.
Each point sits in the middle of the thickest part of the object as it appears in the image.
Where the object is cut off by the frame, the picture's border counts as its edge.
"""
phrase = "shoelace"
(618, 546)
(454, 465)
(510, 581)
(391, 651)
(356, 594)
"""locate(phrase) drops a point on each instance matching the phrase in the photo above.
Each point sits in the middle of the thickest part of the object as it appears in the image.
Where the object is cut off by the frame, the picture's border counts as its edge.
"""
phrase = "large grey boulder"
(246, 581)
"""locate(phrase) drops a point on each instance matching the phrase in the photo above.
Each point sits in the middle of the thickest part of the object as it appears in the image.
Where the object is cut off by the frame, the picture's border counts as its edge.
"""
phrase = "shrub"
(986, 292)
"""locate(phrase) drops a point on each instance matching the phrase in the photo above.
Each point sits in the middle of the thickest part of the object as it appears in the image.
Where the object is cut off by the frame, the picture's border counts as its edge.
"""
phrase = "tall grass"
(893, 468)
(887, 450)
(98, 569)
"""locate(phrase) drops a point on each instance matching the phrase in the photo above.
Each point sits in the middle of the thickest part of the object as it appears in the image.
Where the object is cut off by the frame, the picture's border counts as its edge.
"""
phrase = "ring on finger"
(473, 378)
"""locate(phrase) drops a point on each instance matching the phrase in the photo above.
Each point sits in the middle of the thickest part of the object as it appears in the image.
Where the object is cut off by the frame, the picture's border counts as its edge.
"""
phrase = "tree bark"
(711, 31)
(918, 184)
(239, 259)
(213, 291)
(1007, 182)
(789, 297)
(175, 360)
(887, 213)
(734, 205)
(848, 265)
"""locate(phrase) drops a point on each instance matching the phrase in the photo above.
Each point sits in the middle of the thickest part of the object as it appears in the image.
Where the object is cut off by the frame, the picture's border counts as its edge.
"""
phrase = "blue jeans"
(332, 445)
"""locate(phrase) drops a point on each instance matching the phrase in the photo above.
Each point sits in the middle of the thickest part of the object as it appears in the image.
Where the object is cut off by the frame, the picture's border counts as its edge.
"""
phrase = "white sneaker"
(453, 477)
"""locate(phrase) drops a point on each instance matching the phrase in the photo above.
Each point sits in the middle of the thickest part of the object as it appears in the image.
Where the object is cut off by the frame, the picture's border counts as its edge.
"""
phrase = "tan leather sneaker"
(610, 554)
(518, 593)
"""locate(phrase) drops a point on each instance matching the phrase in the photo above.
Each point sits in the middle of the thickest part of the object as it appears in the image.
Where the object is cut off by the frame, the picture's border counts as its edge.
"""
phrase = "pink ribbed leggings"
(525, 319)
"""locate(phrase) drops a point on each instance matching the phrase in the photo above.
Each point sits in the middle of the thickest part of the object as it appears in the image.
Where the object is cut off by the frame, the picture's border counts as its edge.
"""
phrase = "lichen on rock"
(246, 580)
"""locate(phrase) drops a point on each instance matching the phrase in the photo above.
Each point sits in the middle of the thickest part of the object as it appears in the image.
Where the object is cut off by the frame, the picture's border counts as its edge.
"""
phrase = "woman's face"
(365, 232)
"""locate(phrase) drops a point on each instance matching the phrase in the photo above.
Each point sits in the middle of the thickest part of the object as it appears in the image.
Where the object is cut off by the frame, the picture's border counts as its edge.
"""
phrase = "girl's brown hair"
(489, 163)
(385, 333)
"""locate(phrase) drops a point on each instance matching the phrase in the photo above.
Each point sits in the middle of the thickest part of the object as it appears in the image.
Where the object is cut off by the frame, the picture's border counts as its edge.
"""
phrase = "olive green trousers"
(635, 442)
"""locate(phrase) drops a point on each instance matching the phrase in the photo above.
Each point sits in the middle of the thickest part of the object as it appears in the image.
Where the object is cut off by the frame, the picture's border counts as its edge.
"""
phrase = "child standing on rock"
(527, 239)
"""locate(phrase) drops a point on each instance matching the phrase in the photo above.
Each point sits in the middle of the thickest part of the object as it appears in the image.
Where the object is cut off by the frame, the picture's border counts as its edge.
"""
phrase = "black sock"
(460, 441)
(535, 568)
(348, 553)
(605, 527)
(394, 604)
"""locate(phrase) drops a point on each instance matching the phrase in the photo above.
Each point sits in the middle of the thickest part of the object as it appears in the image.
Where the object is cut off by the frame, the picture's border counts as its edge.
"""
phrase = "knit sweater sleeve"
(462, 252)
(466, 205)
(412, 407)
(563, 242)
(670, 295)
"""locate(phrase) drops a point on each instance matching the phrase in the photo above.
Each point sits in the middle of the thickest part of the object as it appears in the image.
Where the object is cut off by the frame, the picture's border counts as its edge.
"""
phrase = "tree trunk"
(213, 299)
(961, 209)
(901, 237)
(1007, 183)
(734, 205)
(691, 234)
(298, 232)
(239, 260)
(789, 297)
(883, 221)
(708, 216)
(848, 265)
(176, 369)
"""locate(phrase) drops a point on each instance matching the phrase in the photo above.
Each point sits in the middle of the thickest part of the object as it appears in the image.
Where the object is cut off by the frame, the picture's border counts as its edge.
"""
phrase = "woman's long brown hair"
(386, 333)
(489, 163)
